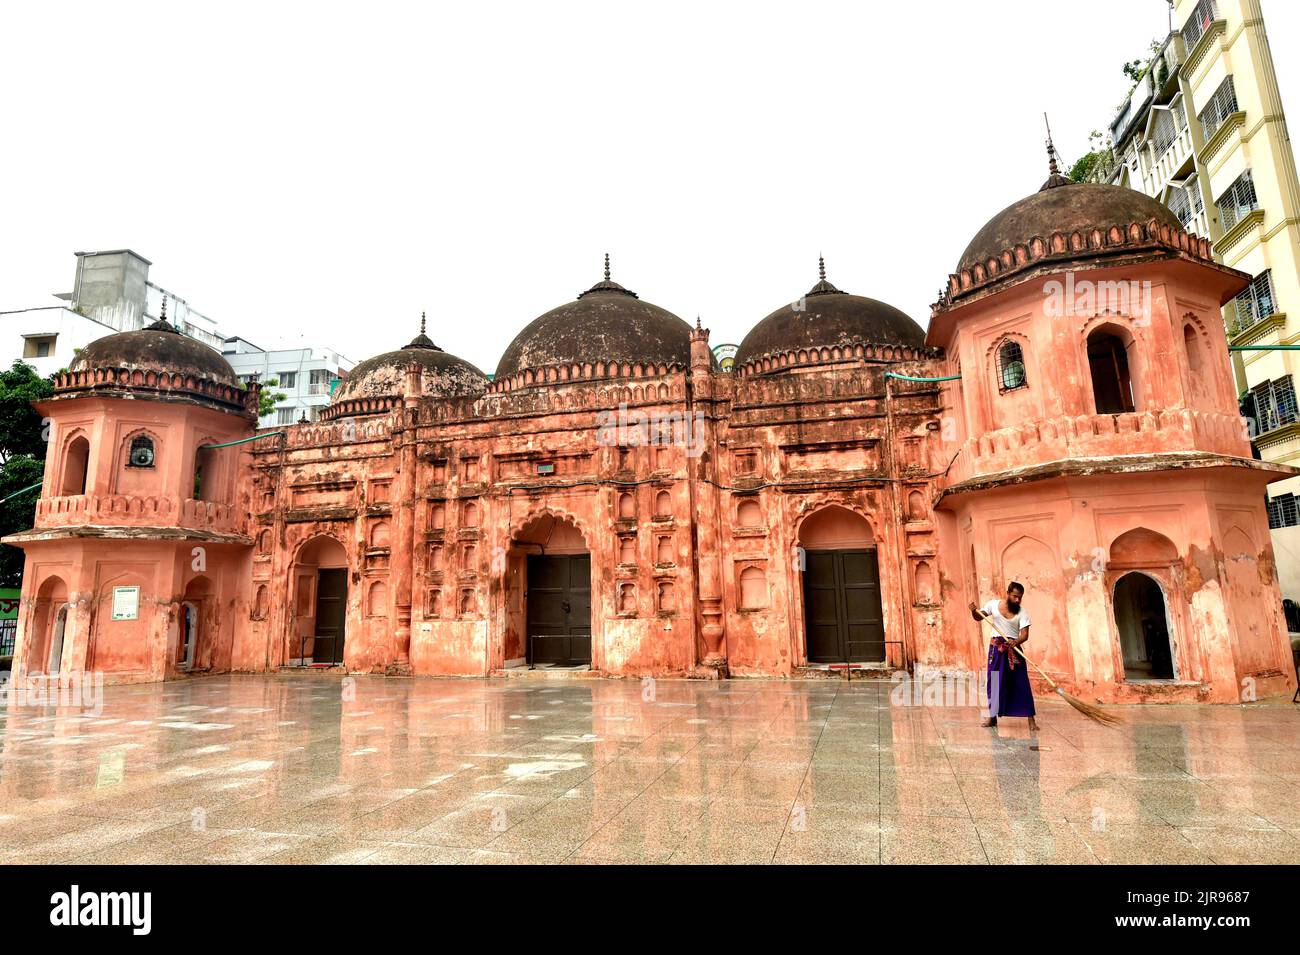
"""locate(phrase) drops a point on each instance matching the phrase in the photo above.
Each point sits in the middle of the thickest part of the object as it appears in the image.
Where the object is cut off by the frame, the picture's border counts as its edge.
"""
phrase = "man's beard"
(1013, 606)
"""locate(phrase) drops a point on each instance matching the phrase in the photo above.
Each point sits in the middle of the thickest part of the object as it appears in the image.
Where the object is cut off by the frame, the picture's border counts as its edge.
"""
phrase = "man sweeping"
(1009, 690)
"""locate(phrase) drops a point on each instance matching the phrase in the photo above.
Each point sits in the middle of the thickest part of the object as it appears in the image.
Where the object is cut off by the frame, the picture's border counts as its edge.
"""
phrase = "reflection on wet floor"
(304, 769)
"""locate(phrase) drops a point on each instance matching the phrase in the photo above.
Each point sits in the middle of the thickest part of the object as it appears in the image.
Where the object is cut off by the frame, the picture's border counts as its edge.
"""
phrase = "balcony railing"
(1094, 436)
(115, 510)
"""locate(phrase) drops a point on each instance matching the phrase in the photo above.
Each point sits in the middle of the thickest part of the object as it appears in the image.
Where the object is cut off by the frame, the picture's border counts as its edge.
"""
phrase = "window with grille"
(1282, 511)
(1166, 131)
(1275, 403)
(1256, 302)
(1198, 23)
(1238, 201)
(1221, 105)
(284, 416)
(1181, 206)
(319, 381)
(1011, 367)
(1193, 190)
(287, 379)
(141, 454)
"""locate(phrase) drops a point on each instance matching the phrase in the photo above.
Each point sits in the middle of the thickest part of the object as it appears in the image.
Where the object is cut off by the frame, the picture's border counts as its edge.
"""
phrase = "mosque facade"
(613, 503)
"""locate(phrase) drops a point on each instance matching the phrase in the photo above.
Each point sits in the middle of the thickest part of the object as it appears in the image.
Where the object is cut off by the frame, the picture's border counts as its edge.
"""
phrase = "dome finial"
(1052, 168)
(162, 325)
(422, 340)
(605, 285)
(823, 287)
(1054, 177)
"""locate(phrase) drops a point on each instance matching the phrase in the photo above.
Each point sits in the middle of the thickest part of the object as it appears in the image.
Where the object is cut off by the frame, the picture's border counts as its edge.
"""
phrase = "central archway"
(557, 592)
(843, 613)
(320, 580)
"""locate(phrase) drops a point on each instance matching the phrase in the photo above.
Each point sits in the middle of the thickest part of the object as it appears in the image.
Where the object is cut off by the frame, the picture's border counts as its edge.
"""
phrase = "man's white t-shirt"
(1007, 627)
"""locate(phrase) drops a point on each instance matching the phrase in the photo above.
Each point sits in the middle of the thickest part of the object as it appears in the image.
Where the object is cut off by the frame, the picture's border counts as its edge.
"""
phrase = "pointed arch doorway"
(321, 574)
(843, 612)
(557, 593)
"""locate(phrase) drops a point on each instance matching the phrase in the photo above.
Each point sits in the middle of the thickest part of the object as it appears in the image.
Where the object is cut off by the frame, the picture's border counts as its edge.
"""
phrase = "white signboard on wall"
(126, 603)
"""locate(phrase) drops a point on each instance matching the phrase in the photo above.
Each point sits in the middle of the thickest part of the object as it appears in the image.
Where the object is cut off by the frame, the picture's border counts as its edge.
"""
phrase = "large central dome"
(606, 323)
(827, 317)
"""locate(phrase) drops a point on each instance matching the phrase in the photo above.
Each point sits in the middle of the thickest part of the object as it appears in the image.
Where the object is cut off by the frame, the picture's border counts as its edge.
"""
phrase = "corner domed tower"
(1098, 455)
(134, 564)
(377, 384)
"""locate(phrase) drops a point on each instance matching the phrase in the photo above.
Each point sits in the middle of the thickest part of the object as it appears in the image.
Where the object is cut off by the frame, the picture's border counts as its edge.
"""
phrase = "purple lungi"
(1009, 690)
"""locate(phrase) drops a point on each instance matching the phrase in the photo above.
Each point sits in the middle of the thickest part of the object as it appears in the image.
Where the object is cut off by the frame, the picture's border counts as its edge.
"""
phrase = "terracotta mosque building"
(611, 499)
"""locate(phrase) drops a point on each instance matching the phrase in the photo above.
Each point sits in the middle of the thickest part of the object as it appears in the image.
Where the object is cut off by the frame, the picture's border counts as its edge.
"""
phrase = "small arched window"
(1011, 367)
(204, 475)
(141, 454)
(1112, 382)
(75, 466)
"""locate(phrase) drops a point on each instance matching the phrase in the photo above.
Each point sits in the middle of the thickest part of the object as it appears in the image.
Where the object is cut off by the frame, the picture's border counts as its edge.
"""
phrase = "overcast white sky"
(319, 174)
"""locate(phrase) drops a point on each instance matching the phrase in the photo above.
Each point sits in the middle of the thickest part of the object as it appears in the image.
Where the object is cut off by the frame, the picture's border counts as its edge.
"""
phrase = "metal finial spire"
(1052, 167)
(821, 268)
(422, 323)
(163, 315)
(606, 266)
(698, 326)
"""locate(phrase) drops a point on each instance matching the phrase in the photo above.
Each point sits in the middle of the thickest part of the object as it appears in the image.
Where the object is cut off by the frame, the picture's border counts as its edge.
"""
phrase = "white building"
(306, 376)
(48, 337)
(112, 293)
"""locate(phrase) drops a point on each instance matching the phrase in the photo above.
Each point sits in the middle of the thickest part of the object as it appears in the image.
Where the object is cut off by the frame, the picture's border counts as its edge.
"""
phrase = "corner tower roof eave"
(1193, 253)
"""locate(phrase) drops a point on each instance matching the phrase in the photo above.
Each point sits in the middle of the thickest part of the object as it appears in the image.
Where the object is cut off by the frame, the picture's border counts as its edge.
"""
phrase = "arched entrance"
(557, 592)
(197, 599)
(1143, 625)
(49, 626)
(843, 615)
(1142, 569)
(320, 603)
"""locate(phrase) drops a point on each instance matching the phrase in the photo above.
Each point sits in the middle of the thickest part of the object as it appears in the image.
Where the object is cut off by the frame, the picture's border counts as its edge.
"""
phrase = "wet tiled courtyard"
(306, 769)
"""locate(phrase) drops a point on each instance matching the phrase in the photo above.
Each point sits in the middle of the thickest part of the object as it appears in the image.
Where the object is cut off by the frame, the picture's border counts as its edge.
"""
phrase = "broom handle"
(1039, 670)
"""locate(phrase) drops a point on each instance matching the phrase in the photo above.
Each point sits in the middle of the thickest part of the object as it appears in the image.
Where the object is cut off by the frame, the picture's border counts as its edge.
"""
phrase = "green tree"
(23, 440)
(1099, 154)
(268, 399)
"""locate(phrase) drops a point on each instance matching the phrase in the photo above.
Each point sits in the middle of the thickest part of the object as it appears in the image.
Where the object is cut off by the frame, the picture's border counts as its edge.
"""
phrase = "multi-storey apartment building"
(1204, 132)
(305, 376)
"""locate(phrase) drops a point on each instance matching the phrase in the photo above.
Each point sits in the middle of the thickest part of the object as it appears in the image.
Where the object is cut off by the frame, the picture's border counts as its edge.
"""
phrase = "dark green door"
(559, 609)
(331, 615)
(844, 622)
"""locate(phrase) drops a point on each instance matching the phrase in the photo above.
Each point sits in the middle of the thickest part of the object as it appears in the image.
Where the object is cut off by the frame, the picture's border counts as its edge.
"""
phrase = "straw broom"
(1094, 713)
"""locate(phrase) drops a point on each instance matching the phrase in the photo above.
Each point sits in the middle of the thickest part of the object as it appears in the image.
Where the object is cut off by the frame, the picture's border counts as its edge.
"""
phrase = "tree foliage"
(267, 399)
(23, 440)
(21, 430)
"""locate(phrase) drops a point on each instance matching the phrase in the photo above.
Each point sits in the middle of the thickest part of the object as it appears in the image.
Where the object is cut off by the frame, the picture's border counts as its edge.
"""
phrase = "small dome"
(158, 347)
(1066, 207)
(445, 376)
(827, 317)
(605, 323)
